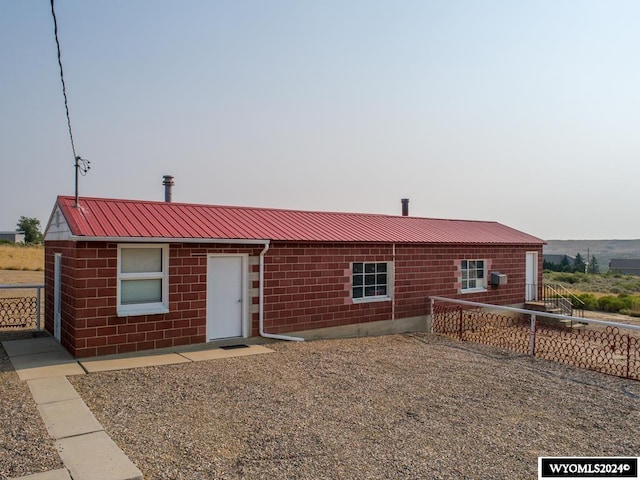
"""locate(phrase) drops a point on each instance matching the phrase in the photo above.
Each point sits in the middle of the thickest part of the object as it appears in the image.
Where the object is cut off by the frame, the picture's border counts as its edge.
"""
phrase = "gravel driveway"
(396, 407)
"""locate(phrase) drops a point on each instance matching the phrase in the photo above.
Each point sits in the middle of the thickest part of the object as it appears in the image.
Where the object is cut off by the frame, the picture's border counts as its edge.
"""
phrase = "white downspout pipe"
(393, 280)
(261, 312)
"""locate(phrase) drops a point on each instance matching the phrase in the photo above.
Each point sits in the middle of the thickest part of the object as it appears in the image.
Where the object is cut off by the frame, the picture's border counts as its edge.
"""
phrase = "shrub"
(590, 301)
(566, 278)
(632, 286)
(609, 303)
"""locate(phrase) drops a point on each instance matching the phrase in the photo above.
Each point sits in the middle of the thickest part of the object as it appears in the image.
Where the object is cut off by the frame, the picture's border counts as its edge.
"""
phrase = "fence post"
(432, 302)
(532, 338)
(460, 325)
(628, 354)
(38, 309)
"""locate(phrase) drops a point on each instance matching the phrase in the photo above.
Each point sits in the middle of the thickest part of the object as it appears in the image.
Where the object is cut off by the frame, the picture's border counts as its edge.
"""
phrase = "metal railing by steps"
(561, 300)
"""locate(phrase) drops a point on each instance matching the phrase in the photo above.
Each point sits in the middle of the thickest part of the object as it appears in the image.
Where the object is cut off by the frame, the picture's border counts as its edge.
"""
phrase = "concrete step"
(575, 324)
(535, 306)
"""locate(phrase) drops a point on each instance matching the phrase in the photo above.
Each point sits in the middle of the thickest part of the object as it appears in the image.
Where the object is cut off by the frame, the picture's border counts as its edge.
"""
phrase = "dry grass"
(18, 277)
(22, 257)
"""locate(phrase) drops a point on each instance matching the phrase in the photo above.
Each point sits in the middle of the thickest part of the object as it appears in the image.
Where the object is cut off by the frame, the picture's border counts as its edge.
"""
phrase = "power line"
(81, 164)
(64, 88)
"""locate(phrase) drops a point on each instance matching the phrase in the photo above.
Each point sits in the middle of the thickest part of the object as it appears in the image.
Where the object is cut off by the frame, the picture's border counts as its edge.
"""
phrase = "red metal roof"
(113, 218)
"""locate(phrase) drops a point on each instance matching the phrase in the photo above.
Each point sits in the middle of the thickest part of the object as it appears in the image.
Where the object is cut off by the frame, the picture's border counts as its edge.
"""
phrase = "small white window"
(143, 279)
(370, 281)
(473, 275)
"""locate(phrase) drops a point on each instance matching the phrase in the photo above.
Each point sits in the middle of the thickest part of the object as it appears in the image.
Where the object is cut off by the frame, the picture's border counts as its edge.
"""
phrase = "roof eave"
(239, 241)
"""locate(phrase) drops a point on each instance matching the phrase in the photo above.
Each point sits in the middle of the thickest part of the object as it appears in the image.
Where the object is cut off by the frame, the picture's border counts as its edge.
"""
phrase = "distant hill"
(604, 250)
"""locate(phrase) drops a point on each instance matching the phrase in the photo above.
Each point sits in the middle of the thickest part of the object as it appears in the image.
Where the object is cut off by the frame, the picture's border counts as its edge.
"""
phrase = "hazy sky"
(522, 112)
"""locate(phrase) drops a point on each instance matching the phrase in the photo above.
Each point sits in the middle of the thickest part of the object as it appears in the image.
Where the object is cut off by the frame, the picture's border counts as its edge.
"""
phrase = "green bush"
(590, 301)
(567, 278)
(609, 303)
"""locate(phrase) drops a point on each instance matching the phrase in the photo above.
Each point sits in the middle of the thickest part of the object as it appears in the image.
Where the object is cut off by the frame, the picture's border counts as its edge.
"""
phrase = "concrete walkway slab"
(61, 474)
(221, 353)
(96, 457)
(125, 363)
(31, 346)
(40, 358)
(68, 418)
(53, 389)
(45, 371)
(53, 357)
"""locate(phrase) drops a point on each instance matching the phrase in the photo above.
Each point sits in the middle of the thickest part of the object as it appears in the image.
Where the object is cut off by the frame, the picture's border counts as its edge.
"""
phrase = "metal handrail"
(570, 294)
(25, 286)
(532, 313)
(553, 295)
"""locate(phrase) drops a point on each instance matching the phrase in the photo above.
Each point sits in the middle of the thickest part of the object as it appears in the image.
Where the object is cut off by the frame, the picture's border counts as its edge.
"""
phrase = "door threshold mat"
(233, 347)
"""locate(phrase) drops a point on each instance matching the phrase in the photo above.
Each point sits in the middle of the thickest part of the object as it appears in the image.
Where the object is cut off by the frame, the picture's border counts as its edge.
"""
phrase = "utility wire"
(64, 88)
(81, 164)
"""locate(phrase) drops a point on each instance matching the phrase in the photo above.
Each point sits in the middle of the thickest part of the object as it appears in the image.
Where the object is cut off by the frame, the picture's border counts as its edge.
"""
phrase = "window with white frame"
(370, 280)
(143, 279)
(473, 275)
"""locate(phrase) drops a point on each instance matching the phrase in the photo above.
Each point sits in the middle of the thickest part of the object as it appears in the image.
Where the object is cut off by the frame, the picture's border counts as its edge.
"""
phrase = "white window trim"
(377, 298)
(484, 279)
(144, 308)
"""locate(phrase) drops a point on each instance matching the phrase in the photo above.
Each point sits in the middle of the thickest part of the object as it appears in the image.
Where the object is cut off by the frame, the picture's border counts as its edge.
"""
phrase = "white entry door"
(225, 299)
(531, 277)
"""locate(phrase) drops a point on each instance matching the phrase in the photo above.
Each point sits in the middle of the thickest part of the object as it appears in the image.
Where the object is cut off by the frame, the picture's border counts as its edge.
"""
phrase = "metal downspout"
(393, 294)
(261, 310)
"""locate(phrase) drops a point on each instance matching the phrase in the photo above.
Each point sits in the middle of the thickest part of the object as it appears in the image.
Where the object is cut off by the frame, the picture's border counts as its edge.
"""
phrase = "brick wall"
(435, 271)
(307, 286)
(67, 290)
(89, 297)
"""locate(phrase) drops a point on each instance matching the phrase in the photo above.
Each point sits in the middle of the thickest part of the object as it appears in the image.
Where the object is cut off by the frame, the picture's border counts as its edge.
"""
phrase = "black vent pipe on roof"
(405, 207)
(168, 187)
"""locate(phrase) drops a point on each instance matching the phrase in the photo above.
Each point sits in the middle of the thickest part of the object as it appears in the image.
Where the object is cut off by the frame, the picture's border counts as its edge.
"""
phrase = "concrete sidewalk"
(150, 359)
(44, 357)
(87, 451)
(41, 358)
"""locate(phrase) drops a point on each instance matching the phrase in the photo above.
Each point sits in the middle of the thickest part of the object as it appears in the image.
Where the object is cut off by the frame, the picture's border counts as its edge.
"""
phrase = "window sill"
(144, 310)
(371, 299)
(474, 290)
